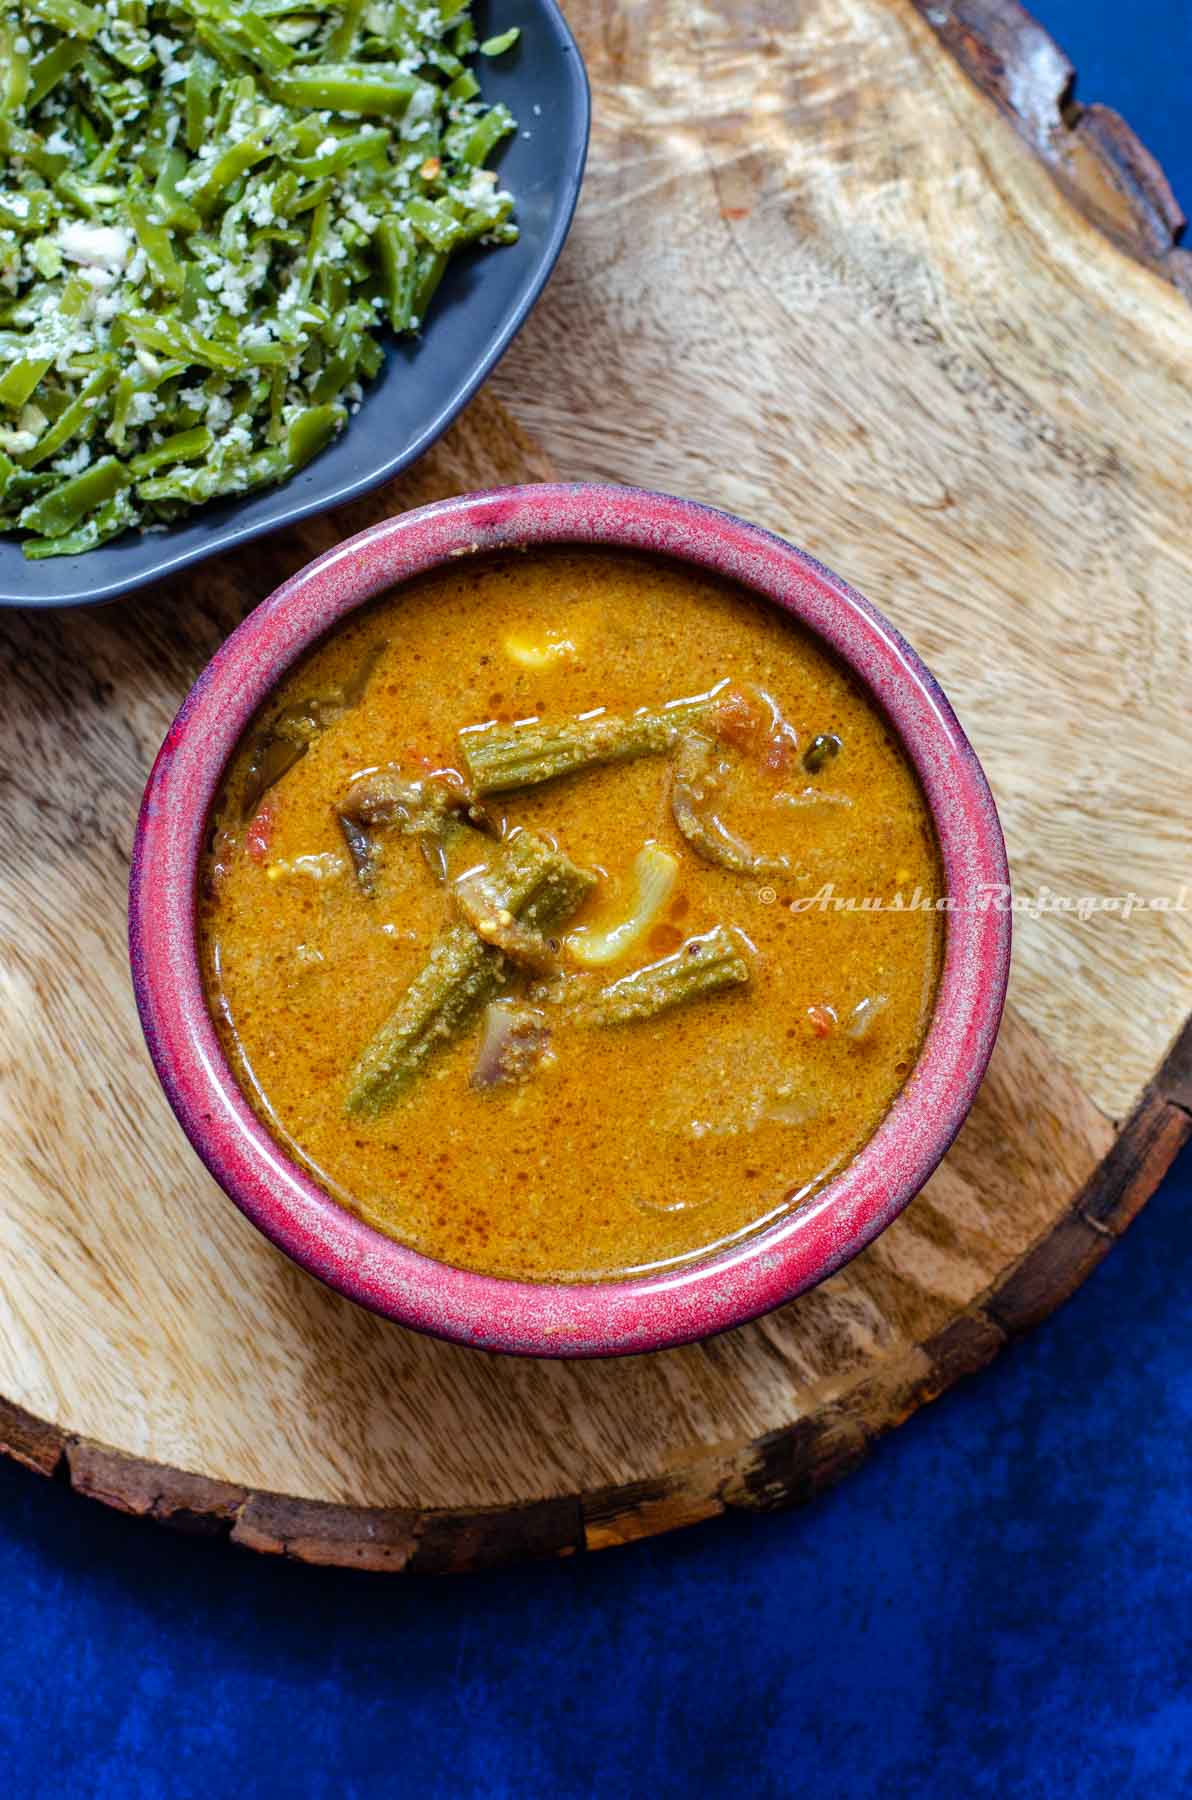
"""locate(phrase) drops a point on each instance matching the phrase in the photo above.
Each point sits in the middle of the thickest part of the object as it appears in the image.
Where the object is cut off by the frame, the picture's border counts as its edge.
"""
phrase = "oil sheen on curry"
(519, 916)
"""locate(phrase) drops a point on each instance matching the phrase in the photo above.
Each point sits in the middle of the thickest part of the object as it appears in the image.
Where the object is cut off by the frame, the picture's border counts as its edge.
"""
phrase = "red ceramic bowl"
(564, 1319)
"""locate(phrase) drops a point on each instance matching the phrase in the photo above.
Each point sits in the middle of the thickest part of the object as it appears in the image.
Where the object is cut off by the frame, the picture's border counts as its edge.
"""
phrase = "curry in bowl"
(555, 914)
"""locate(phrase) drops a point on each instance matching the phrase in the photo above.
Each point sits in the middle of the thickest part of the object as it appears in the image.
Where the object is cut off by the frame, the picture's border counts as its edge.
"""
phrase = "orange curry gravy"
(631, 1146)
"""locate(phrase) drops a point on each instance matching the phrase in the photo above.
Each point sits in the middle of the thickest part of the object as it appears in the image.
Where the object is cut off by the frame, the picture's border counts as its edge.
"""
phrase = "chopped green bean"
(202, 75)
(226, 169)
(26, 212)
(357, 146)
(19, 381)
(464, 87)
(227, 476)
(173, 209)
(107, 521)
(154, 240)
(429, 270)
(184, 446)
(79, 416)
(261, 45)
(63, 507)
(483, 137)
(70, 16)
(343, 35)
(395, 254)
(48, 70)
(373, 88)
(438, 227)
(214, 209)
(14, 67)
(174, 338)
(311, 430)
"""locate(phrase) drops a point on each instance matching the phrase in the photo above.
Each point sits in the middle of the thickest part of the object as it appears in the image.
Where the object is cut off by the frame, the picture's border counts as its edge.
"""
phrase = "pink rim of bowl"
(564, 1319)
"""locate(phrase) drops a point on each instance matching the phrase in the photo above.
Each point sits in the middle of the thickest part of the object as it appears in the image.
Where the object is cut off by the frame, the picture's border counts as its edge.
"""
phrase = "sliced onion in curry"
(811, 797)
(859, 1022)
(696, 789)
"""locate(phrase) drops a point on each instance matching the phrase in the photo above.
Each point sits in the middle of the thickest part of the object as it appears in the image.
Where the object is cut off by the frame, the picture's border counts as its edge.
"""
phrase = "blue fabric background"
(996, 1604)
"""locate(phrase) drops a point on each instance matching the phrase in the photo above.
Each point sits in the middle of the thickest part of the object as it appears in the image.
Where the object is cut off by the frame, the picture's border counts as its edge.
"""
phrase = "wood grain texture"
(821, 277)
(1097, 160)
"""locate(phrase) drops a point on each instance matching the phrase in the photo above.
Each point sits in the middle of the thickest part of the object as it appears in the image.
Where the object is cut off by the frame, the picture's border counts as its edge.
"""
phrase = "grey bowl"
(484, 299)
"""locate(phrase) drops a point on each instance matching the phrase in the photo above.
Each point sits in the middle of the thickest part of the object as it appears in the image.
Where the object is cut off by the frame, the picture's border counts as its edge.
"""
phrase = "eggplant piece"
(273, 755)
(363, 852)
(427, 808)
(515, 1040)
(289, 736)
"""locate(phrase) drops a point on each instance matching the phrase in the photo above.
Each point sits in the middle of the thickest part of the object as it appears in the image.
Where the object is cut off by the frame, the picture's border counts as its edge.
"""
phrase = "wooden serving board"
(856, 269)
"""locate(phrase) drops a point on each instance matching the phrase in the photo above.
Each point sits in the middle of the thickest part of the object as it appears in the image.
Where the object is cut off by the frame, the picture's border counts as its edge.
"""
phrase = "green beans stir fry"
(209, 210)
